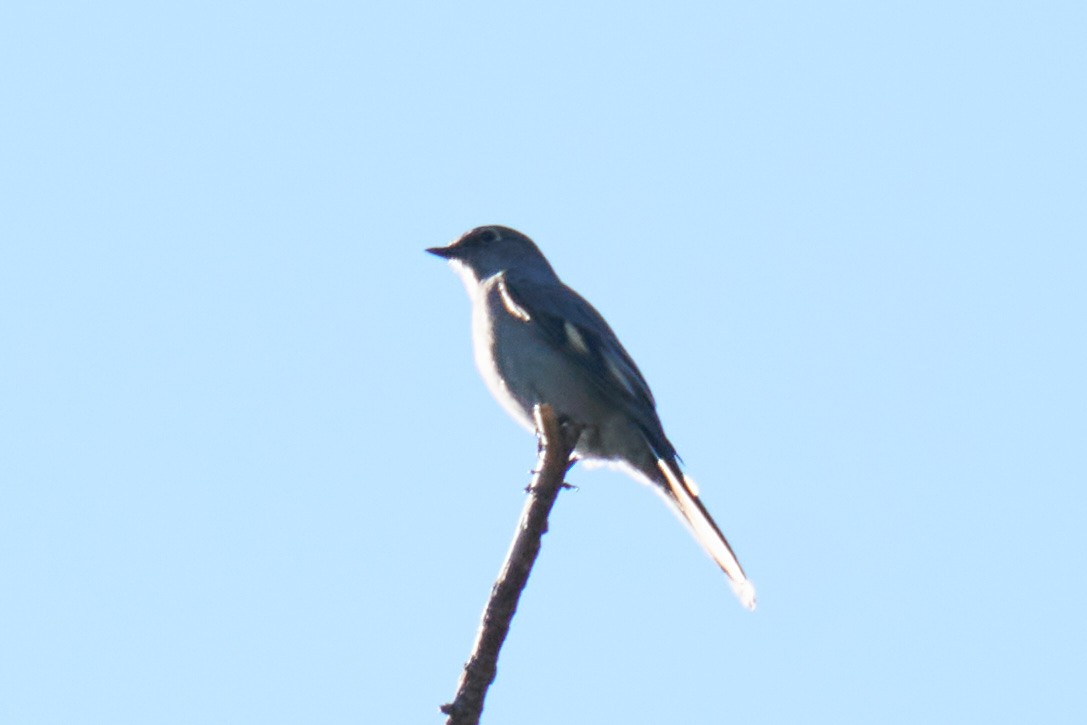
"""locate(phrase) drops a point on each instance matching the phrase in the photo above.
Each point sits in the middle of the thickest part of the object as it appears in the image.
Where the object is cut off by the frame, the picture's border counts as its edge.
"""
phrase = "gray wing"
(574, 327)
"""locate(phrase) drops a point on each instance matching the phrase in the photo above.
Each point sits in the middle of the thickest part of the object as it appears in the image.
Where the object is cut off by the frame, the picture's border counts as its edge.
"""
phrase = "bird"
(536, 340)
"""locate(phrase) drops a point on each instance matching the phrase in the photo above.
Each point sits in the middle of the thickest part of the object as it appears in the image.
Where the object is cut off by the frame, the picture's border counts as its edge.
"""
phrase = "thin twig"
(556, 445)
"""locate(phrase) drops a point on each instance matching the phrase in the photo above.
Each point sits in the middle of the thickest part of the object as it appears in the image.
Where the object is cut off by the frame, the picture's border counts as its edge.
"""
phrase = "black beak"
(443, 252)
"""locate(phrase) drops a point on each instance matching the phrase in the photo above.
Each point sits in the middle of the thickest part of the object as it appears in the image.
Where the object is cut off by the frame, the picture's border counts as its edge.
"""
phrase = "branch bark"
(556, 445)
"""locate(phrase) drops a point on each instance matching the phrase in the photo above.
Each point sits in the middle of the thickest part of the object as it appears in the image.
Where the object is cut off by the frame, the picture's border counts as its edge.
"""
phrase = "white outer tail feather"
(745, 592)
(685, 495)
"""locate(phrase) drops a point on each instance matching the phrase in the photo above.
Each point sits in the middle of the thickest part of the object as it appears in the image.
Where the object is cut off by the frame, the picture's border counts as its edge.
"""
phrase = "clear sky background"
(248, 473)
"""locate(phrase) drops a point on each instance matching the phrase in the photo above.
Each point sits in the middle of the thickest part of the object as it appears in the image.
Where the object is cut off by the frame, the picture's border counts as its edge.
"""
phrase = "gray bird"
(538, 341)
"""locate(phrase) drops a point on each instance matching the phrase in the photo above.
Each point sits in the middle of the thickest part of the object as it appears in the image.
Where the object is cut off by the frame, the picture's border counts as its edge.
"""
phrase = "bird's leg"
(571, 432)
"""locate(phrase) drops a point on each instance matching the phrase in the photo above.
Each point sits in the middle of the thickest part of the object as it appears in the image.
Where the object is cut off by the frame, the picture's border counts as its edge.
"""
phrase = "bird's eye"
(480, 237)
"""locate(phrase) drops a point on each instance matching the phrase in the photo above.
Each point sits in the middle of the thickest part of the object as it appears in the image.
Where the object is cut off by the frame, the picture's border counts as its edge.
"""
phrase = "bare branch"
(556, 445)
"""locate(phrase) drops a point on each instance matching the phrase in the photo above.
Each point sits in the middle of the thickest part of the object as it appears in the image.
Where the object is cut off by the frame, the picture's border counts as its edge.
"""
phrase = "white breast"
(486, 306)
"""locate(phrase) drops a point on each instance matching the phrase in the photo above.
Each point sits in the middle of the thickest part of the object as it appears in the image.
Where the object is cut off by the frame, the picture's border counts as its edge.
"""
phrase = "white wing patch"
(616, 372)
(575, 338)
(510, 304)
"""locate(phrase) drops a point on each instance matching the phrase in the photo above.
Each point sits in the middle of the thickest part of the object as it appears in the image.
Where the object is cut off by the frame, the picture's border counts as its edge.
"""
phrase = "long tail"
(684, 494)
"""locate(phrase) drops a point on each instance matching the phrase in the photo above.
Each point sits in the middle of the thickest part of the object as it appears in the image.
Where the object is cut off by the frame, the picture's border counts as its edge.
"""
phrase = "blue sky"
(249, 474)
